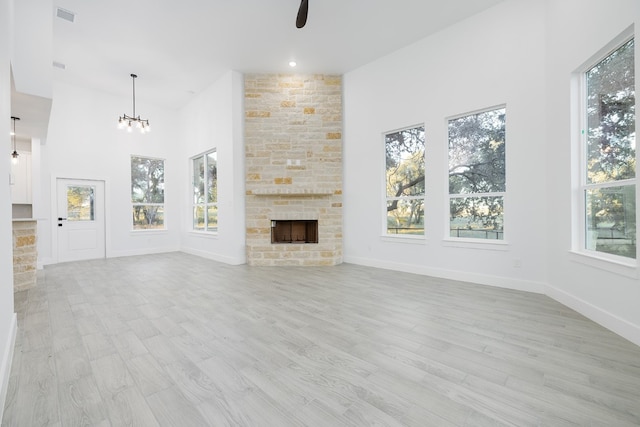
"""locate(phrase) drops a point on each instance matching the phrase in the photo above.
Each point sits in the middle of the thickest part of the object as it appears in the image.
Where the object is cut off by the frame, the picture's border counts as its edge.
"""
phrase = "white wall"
(31, 59)
(83, 126)
(577, 30)
(84, 143)
(7, 315)
(493, 58)
(214, 120)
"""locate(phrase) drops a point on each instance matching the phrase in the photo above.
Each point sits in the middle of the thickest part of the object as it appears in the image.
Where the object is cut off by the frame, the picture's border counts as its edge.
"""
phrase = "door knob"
(62, 219)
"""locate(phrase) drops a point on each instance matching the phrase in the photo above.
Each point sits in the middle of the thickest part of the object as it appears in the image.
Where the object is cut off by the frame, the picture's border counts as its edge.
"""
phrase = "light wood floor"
(178, 340)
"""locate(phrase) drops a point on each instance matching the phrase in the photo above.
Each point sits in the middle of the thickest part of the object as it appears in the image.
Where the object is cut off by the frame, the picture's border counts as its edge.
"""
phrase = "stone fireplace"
(293, 157)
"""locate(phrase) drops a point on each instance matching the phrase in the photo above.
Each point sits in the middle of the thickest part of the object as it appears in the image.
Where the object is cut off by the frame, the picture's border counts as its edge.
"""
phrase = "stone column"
(25, 254)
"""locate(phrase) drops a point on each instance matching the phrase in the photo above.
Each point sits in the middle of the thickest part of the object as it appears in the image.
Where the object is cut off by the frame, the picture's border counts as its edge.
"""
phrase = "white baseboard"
(144, 251)
(482, 279)
(47, 261)
(610, 321)
(203, 254)
(215, 257)
(7, 358)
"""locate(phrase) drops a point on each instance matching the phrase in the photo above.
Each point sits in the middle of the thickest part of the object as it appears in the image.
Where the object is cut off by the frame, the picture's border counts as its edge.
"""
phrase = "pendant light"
(14, 155)
(128, 122)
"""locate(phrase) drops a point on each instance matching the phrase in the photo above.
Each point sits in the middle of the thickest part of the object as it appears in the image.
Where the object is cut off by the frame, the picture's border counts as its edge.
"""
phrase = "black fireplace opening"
(294, 231)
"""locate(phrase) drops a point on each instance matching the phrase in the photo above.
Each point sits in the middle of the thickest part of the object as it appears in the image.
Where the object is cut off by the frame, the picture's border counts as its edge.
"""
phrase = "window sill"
(488, 245)
(204, 234)
(145, 232)
(620, 267)
(413, 240)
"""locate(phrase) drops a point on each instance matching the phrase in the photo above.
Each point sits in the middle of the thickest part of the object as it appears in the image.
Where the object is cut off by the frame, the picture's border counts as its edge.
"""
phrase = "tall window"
(147, 193)
(405, 182)
(477, 183)
(609, 141)
(205, 192)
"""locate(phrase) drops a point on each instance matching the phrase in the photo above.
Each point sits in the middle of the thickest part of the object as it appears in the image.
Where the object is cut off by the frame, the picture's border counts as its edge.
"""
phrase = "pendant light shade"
(129, 122)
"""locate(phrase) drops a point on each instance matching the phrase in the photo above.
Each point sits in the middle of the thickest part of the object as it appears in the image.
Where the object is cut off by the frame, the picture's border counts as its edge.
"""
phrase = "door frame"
(54, 213)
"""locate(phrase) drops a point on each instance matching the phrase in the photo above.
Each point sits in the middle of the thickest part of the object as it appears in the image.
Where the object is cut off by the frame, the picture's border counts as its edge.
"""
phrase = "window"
(205, 192)
(477, 182)
(608, 190)
(80, 203)
(405, 182)
(147, 193)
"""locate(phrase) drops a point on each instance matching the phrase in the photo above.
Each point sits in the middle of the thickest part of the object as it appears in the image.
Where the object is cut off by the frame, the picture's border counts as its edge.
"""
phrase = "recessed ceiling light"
(67, 15)
(292, 63)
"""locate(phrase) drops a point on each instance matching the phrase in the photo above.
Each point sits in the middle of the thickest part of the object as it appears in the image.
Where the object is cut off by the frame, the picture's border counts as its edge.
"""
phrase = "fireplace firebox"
(294, 231)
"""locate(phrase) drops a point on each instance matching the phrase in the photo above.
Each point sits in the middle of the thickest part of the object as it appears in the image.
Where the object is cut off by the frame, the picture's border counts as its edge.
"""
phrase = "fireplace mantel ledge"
(292, 191)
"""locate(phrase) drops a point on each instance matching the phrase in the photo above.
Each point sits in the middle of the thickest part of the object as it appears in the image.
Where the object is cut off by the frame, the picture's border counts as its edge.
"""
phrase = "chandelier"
(129, 122)
(14, 155)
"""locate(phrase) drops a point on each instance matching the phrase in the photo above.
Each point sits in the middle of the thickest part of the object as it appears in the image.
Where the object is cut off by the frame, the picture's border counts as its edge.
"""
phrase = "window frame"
(475, 242)
(387, 199)
(616, 263)
(155, 204)
(206, 204)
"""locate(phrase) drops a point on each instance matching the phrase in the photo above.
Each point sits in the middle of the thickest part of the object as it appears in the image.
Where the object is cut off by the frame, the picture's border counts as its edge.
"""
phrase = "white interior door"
(80, 221)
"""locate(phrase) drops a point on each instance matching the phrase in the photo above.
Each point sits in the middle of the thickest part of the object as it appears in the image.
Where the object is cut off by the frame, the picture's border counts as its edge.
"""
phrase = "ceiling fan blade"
(301, 19)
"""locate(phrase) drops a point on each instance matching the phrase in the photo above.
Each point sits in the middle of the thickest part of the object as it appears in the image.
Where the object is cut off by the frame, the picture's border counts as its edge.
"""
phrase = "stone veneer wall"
(293, 157)
(25, 255)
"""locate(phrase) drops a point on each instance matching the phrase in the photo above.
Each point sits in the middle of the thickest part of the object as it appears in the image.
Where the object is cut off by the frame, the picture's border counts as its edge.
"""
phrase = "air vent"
(67, 15)
(59, 65)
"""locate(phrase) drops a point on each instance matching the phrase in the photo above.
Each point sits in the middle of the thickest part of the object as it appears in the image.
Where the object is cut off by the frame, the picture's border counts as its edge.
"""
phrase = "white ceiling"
(177, 49)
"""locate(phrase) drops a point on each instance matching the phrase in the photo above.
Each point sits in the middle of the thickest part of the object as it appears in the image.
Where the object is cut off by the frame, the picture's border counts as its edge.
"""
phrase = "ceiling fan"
(301, 19)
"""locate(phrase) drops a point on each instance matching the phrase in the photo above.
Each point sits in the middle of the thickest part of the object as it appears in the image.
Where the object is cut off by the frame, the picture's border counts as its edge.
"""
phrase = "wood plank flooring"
(177, 340)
